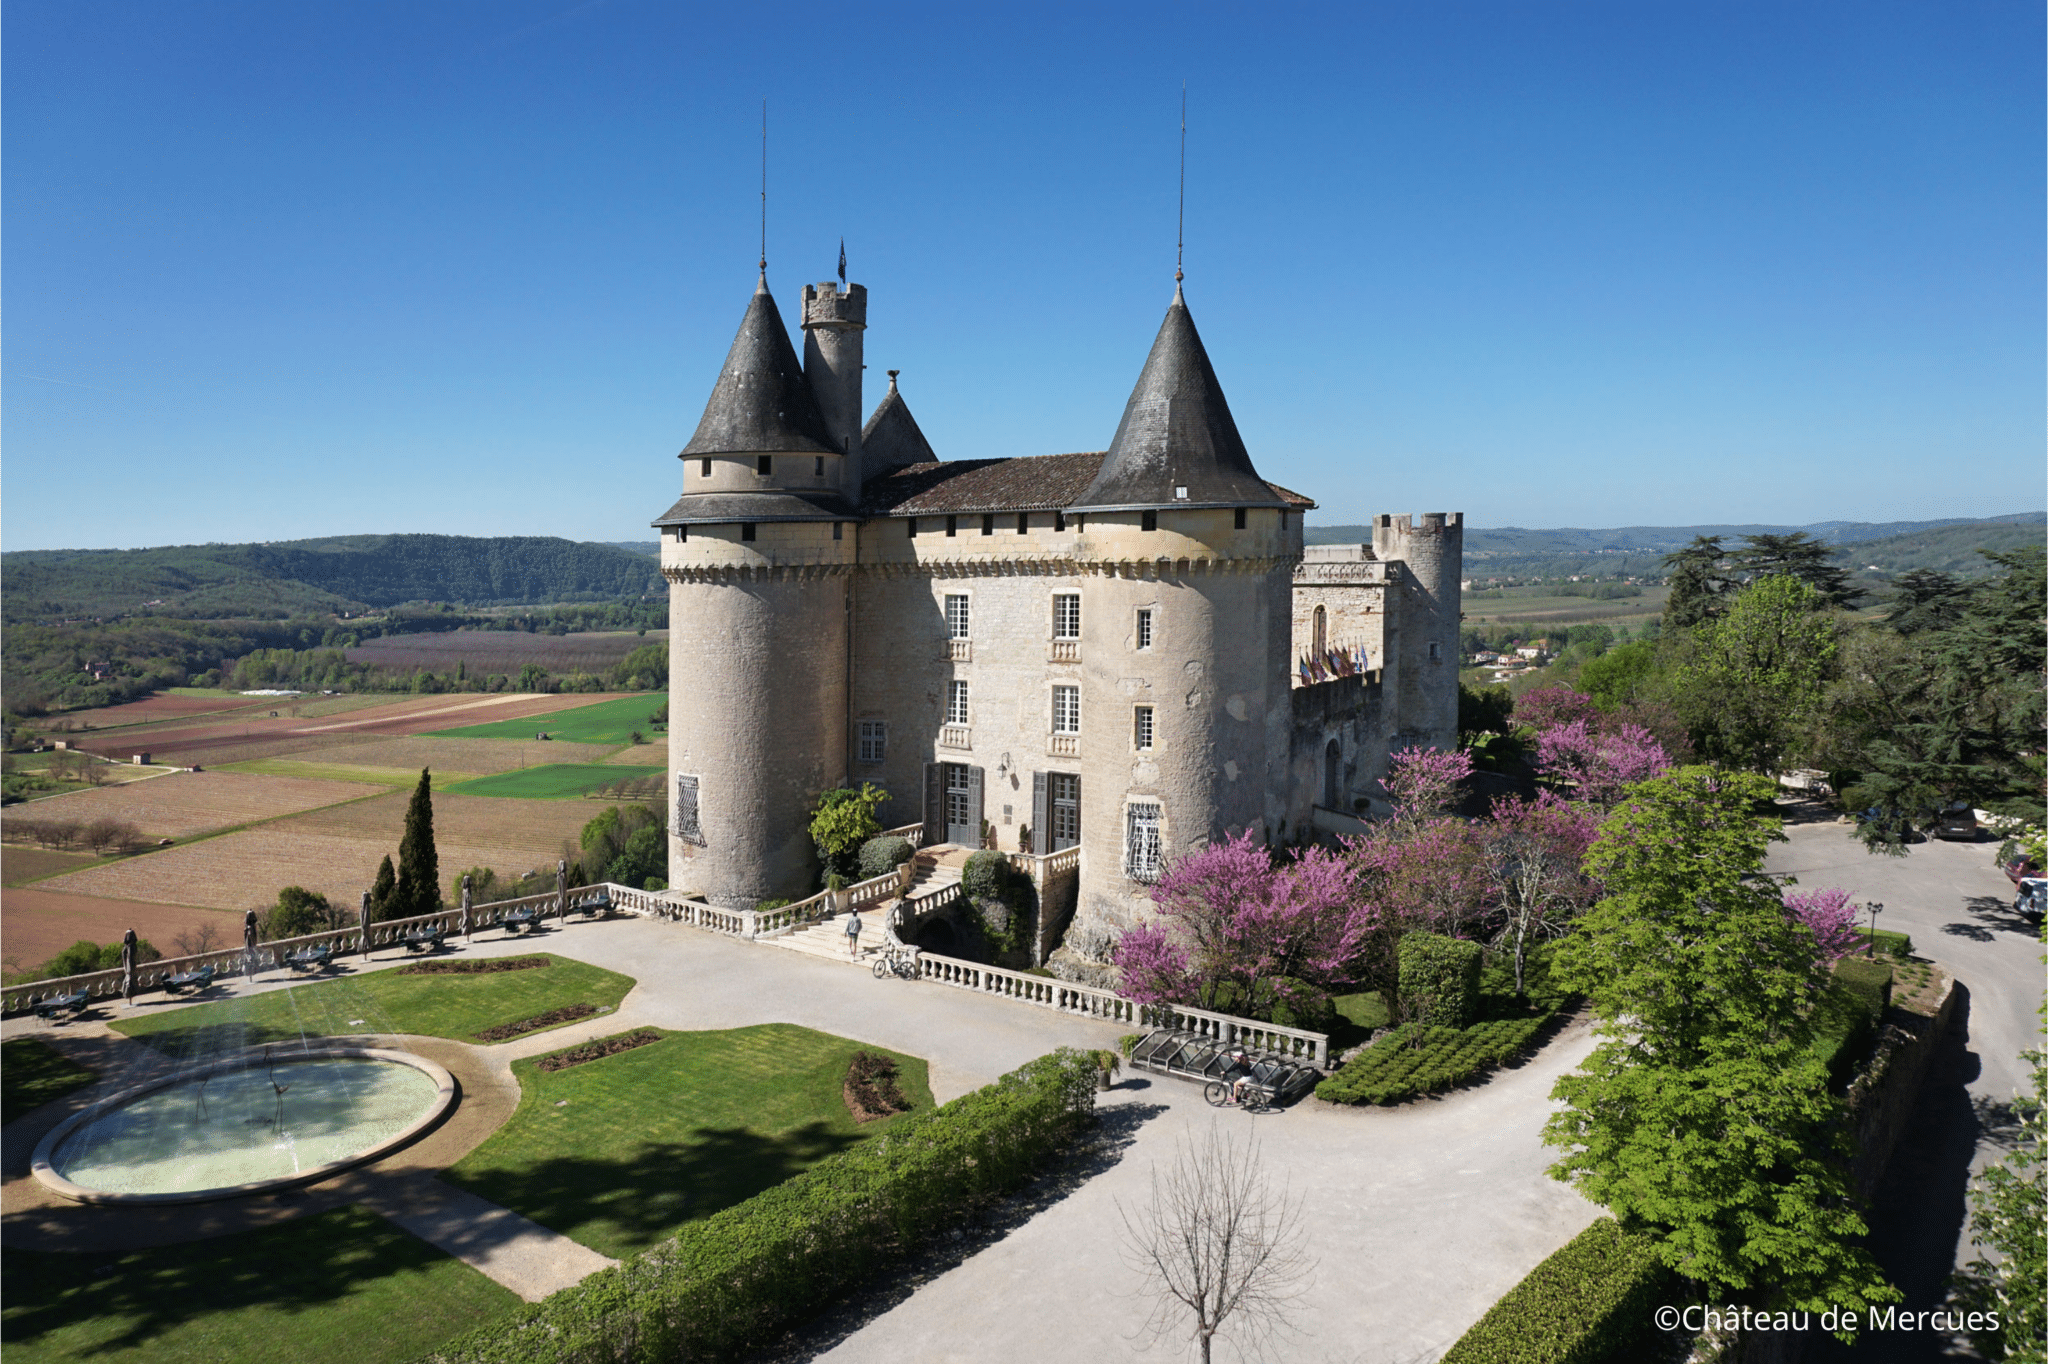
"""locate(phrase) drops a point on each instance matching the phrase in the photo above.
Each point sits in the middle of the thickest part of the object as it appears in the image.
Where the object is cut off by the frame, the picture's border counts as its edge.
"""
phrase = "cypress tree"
(382, 889)
(419, 867)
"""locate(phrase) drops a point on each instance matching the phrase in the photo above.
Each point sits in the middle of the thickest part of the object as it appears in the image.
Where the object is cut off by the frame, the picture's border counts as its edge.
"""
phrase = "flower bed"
(598, 1050)
(471, 968)
(871, 1089)
(566, 1014)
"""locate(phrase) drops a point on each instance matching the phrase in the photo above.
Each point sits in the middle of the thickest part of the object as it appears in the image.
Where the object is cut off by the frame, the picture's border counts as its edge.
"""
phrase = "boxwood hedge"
(1416, 1058)
(730, 1283)
(1593, 1302)
(1440, 976)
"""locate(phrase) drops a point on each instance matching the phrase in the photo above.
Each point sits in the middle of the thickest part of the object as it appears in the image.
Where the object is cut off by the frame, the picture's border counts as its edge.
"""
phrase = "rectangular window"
(682, 535)
(1141, 840)
(688, 827)
(1023, 523)
(1059, 520)
(1141, 736)
(912, 524)
(1065, 793)
(956, 702)
(765, 466)
(956, 615)
(1239, 520)
(1145, 629)
(746, 530)
(874, 740)
(704, 470)
(1066, 710)
(838, 530)
(952, 525)
(1148, 520)
(1066, 615)
(819, 470)
(988, 523)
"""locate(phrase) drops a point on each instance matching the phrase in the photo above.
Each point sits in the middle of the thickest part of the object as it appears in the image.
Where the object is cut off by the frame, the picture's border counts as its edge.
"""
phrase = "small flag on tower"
(842, 260)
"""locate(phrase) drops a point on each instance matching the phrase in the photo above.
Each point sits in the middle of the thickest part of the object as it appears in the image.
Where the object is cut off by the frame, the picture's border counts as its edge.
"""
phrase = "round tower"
(1431, 559)
(835, 318)
(758, 553)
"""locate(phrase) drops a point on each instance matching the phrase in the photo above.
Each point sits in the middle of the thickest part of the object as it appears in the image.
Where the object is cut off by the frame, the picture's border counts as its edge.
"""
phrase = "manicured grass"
(379, 1002)
(554, 781)
(407, 777)
(1358, 1015)
(343, 1287)
(32, 1074)
(607, 722)
(673, 1131)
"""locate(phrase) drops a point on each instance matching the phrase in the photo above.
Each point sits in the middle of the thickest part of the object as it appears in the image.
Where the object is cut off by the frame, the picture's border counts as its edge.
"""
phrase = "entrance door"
(1066, 810)
(963, 805)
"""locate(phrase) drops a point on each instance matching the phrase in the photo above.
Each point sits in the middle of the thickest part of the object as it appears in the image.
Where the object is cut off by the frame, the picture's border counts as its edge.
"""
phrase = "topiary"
(879, 856)
(1440, 978)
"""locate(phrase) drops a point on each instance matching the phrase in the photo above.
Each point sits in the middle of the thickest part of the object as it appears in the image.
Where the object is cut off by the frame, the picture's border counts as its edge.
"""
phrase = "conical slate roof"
(1177, 433)
(892, 438)
(762, 402)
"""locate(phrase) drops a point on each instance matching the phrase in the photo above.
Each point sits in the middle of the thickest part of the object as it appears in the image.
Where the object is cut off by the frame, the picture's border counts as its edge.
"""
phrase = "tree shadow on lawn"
(1095, 1151)
(619, 1206)
(138, 1295)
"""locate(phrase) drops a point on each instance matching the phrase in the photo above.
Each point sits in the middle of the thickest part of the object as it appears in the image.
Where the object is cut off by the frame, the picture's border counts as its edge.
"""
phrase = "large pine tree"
(419, 867)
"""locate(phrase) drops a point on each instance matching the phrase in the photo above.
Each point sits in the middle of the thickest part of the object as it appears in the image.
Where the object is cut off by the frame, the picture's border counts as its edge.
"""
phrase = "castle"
(1127, 652)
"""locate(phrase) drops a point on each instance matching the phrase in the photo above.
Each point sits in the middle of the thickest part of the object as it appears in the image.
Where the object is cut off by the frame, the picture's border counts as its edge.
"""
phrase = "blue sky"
(279, 270)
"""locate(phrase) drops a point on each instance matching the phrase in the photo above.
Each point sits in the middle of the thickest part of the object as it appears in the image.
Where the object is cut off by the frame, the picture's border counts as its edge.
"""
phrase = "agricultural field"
(606, 722)
(42, 923)
(20, 865)
(187, 803)
(1538, 609)
(555, 781)
(180, 705)
(478, 757)
(505, 651)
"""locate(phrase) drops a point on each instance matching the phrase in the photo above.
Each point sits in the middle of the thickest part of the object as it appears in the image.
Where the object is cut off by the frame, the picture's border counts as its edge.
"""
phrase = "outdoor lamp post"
(1875, 910)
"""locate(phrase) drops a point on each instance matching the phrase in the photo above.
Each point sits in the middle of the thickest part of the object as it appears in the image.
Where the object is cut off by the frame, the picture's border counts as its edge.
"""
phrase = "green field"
(343, 1287)
(606, 722)
(378, 1002)
(553, 781)
(617, 1153)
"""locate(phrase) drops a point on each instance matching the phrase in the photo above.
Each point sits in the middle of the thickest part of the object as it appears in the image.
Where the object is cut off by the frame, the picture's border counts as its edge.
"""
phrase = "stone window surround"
(1069, 628)
(1134, 806)
(963, 626)
(873, 740)
(1071, 718)
(1145, 629)
(956, 701)
(1144, 729)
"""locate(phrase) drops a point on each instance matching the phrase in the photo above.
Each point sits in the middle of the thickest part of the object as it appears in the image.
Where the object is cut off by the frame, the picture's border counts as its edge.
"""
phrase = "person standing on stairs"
(853, 934)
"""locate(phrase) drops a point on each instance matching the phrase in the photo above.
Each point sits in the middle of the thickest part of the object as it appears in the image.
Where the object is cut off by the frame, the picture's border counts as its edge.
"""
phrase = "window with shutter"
(1041, 827)
(687, 823)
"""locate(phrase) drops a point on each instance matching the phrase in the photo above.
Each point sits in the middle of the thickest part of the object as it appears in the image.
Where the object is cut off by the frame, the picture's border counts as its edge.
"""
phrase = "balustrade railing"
(1062, 996)
(1294, 1043)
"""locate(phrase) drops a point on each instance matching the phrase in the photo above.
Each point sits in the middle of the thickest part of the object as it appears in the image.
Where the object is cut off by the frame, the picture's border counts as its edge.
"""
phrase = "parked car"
(1957, 822)
(2019, 867)
(2032, 901)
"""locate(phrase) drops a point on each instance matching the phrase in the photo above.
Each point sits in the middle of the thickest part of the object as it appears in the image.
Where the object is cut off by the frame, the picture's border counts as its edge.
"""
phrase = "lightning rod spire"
(1180, 233)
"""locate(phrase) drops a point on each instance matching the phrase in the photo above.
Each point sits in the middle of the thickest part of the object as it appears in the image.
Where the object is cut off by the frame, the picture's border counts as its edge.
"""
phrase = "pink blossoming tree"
(1831, 918)
(1599, 762)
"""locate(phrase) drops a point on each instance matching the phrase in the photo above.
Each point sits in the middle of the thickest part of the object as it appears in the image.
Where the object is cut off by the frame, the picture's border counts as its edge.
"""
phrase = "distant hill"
(340, 573)
(1894, 546)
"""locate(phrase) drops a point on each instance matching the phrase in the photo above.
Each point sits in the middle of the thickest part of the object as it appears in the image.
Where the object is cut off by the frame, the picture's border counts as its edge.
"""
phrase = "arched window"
(1333, 771)
(1322, 633)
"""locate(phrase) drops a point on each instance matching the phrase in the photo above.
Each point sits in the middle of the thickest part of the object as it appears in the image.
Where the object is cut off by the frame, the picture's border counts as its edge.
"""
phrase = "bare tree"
(1218, 1245)
(200, 939)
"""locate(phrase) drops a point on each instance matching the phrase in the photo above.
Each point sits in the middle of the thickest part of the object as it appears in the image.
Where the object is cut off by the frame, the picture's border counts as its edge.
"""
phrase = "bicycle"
(897, 961)
(1257, 1098)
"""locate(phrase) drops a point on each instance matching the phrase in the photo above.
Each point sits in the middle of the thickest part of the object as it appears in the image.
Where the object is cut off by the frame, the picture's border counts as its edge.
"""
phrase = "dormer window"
(765, 466)
(704, 468)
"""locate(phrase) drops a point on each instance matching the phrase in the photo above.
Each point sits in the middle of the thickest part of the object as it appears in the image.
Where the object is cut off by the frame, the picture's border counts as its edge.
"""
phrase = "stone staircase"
(933, 869)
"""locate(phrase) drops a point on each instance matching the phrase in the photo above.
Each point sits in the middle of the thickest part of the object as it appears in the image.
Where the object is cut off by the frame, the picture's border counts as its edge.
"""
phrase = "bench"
(75, 1003)
(196, 981)
(427, 938)
(310, 958)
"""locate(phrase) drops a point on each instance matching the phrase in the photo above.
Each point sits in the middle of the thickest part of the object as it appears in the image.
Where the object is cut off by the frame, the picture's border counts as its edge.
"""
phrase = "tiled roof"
(770, 504)
(762, 401)
(1028, 483)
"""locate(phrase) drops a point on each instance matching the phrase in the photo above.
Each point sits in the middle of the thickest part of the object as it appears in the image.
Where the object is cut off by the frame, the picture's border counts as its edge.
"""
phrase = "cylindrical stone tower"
(758, 553)
(1431, 559)
(834, 320)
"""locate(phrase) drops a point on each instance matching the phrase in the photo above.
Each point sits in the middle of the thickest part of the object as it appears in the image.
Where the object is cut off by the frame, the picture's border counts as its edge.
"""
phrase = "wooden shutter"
(1077, 810)
(934, 805)
(1041, 815)
(974, 801)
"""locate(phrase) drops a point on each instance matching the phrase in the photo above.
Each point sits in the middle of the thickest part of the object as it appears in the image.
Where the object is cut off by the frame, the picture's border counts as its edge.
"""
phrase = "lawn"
(554, 781)
(378, 1002)
(607, 722)
(343, 1287)
(32, 1074)
(619, 1152)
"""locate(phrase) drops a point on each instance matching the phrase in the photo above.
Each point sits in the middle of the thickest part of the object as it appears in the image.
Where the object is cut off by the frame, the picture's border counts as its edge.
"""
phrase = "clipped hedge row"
(1590, 1303)
(1415, 1059)
(732, 1282)
(1889, 944)
(1440, 976)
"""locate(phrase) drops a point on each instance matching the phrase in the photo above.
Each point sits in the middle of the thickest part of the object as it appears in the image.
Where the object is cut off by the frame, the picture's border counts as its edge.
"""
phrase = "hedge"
(734, 1281)
(1590, 1303)
(1889, 944)
(1416, 1058)
(1442, 975)
(884, 854)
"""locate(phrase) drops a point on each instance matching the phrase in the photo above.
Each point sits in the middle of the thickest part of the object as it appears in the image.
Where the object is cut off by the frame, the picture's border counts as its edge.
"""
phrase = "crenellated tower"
(1423, 661)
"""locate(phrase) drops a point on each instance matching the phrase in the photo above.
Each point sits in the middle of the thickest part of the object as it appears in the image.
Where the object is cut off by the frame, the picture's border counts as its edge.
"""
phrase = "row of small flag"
(1334, 663)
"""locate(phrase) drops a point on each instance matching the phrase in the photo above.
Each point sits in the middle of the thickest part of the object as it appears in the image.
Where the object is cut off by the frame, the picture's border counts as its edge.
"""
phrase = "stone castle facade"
(1127, 652)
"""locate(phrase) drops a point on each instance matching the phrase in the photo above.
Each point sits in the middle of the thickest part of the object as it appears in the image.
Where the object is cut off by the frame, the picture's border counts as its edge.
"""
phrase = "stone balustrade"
(1293, 1043)
(1064, 996)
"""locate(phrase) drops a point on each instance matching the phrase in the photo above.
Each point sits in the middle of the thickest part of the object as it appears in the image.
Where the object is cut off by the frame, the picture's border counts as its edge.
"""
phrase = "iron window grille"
(1141, 840)
(688, 826)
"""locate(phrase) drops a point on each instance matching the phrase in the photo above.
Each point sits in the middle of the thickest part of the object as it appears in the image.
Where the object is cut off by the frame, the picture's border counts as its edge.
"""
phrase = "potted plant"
(1107, 1064)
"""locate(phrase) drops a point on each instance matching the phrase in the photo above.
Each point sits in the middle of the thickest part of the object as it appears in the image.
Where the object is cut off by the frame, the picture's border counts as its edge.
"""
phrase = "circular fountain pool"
(244, 1125)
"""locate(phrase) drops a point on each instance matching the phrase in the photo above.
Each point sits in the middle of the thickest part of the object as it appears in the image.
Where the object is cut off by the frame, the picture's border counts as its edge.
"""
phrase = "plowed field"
(187, 803)
(38, 924)
(262, 735)
(163, 706)
(504, 651)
